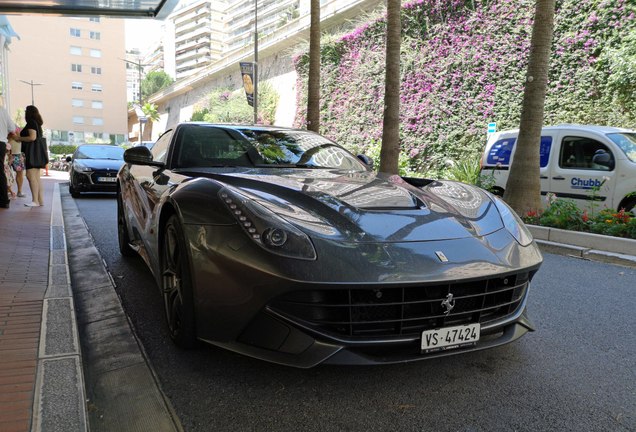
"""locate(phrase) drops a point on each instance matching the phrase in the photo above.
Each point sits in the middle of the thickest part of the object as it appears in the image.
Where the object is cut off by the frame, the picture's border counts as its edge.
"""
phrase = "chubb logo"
(579, 183)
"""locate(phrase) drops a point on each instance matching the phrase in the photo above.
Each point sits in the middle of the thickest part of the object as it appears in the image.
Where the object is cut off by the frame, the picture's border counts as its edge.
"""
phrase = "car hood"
(369, 207)
(99, 164)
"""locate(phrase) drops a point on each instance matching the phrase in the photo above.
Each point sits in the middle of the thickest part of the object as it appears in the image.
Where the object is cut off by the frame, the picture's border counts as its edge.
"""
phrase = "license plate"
(450, 338)
(107, 179)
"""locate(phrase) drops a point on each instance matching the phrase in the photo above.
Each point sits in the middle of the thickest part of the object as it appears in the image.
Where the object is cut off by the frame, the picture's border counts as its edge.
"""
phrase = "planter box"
(599, 242)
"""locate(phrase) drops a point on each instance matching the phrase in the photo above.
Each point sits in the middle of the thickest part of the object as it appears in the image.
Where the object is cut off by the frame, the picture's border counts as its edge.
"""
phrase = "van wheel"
(629, 205)
(497, 191)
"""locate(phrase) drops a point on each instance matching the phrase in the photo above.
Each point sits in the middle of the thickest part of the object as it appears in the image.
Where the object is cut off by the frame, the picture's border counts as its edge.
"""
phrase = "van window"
(501, 150)
(626, 142)
(578, 152)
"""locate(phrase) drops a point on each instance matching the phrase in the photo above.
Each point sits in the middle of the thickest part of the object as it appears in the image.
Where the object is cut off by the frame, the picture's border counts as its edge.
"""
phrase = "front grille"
(360, 313)
(96, 175)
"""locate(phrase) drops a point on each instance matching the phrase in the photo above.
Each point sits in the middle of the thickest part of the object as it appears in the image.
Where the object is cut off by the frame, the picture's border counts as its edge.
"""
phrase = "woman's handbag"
(37, 155)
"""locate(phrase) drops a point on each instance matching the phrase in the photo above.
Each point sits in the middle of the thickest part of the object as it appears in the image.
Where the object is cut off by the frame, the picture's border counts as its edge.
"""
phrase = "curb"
(59, 399)
(595, 247)
(122, 390)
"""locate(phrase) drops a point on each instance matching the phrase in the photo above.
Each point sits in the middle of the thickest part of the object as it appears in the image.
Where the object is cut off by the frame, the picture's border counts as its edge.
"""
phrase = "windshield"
(100, 152)
(299, 148)
(627, 142)
(209, 146)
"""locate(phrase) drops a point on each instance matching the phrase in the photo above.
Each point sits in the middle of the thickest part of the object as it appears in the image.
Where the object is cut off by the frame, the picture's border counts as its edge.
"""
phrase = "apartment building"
(272, 14)
(198, 36)
(204, 31)
(134, 74)
(72, 69)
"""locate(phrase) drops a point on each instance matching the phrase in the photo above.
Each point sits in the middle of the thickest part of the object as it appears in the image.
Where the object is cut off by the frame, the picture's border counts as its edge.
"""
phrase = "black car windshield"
(211, 146)
(100, 152)
(299, 149)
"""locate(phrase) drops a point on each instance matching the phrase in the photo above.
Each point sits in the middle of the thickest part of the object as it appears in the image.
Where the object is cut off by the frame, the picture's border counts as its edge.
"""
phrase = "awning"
(117, 8)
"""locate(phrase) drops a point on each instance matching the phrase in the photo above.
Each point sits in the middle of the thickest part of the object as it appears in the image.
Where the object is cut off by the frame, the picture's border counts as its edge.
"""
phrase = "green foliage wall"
(464, 65)
(226, 106)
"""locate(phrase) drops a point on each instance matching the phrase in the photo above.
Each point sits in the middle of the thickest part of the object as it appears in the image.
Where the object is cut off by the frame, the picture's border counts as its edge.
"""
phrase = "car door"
(576, 176)
(147, 191)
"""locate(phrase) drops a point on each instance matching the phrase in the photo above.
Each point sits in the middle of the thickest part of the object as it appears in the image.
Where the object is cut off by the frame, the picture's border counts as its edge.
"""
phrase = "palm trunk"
(523, 191)
(389, 154)
(313, 83)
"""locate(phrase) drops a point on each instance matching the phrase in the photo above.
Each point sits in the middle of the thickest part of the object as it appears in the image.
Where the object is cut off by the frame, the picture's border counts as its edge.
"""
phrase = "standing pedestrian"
(29, 133)
(17, 163)
(6, 126)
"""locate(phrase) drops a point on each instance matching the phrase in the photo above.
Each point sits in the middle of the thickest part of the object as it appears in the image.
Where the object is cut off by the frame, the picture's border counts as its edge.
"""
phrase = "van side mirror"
(366, 160)
(603, 158)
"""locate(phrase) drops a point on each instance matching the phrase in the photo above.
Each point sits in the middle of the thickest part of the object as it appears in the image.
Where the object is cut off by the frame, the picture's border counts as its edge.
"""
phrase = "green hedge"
(62, 148)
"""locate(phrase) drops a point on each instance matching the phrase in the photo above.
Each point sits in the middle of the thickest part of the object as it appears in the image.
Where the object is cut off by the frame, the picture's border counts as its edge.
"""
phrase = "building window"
(98, 121)
(78, 119)
(96, 53)
(97, 88)
(97, 104)
(76, 50)
(76, 67)
(94, 19)
(77, 102)
(95, 35)
(96, 70)
(75, 32)
(77, 85)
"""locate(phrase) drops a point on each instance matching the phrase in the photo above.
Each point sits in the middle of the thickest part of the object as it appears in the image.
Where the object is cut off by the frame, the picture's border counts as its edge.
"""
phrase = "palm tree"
(523, 191)
(313, 83)
(152, 115)
(390, 150)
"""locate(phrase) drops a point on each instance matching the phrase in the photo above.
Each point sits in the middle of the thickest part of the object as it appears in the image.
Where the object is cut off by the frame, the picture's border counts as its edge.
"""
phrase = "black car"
(94, 168)
(279, 244)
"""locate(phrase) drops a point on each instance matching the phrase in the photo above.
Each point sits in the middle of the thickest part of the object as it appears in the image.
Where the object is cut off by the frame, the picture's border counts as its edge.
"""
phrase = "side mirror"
(366, 160)
(603, 158)
(140, 155)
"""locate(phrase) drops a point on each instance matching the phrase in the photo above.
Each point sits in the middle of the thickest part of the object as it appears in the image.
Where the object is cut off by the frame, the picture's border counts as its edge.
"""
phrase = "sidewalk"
(42, 386)
(39, 350)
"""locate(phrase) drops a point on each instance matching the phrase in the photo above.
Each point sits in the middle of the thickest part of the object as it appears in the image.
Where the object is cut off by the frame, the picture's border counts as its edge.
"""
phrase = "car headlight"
(82, 168)
(266, 229)
(513, 223)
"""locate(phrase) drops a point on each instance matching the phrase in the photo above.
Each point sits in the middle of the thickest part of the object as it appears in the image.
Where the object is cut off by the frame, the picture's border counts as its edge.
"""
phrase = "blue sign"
(492, 127)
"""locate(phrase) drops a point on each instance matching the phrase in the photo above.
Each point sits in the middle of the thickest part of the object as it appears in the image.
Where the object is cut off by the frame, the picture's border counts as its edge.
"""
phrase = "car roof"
(242, 126)
(98, 145)
(575, 127)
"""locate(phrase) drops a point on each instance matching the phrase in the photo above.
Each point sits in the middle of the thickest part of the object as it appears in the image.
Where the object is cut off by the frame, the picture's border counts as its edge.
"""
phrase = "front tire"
(74, 193)
(176, 286)
(123, 238)
(630, 206)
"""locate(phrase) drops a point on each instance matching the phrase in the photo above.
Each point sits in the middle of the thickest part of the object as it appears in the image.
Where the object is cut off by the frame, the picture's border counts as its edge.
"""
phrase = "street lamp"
(140, 69)
(32, 84)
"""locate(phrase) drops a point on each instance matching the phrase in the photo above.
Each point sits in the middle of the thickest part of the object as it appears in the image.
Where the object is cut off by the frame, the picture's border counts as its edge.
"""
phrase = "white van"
(583, 163)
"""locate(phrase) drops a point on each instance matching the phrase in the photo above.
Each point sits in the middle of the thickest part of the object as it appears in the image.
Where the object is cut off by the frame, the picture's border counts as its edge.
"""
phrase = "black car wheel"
(176, 286)
(122, 230)
(74, 193)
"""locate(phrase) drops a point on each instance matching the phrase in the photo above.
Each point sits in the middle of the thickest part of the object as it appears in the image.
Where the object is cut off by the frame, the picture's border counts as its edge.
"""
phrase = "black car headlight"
(513, 223)
(265, 228)
(82, 168)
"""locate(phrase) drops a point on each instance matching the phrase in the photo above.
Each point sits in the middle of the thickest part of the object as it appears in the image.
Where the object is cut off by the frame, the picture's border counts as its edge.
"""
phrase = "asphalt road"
(577, 372)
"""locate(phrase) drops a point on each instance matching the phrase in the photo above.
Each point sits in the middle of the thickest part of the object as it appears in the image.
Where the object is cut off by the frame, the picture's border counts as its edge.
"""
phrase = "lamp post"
(32, 84)
(140, 73)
